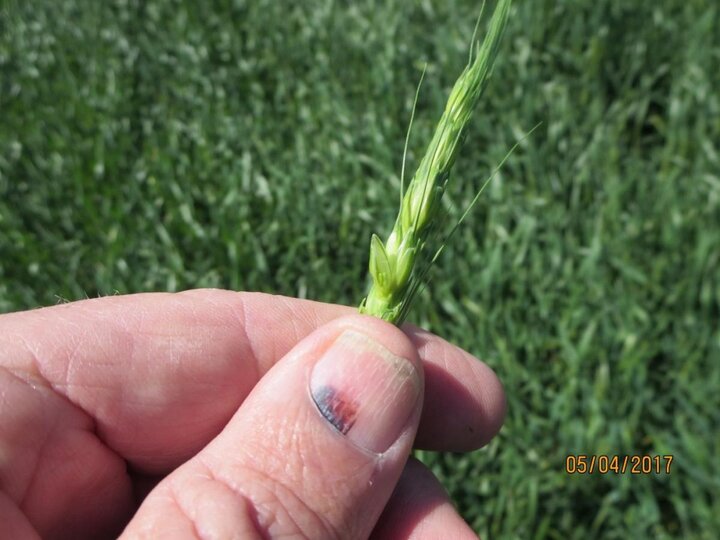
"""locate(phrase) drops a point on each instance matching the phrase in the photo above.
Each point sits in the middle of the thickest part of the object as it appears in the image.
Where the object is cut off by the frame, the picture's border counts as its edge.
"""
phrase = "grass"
(248, 145)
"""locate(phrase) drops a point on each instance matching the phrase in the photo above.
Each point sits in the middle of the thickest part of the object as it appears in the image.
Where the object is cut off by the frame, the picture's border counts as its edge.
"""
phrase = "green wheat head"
(398, 267)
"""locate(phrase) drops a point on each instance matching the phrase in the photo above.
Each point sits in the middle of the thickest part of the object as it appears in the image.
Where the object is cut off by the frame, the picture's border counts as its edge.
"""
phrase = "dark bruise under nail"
(338, 411)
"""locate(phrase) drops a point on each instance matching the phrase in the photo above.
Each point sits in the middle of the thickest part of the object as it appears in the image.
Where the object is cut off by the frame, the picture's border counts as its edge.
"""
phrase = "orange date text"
(607, 464)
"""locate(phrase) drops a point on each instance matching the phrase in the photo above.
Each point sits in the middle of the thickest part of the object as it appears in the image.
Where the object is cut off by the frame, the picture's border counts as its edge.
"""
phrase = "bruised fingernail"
(365, 391)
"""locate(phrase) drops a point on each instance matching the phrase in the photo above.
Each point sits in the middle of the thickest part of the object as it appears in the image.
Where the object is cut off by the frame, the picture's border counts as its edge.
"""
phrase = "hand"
(216, 414)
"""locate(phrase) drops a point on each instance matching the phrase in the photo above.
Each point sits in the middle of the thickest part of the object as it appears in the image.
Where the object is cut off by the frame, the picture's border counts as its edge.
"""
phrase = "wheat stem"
(398, 265)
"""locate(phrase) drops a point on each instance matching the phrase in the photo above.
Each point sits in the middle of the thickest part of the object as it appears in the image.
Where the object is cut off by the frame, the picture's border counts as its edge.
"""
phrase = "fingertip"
(465, 401)
(493, 400)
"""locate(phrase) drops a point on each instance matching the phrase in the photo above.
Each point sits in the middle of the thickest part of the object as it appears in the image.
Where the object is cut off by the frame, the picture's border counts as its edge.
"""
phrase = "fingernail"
(364, 391)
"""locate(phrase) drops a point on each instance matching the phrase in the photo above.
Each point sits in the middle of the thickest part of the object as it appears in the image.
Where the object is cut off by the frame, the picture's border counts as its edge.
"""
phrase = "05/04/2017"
(605, 464)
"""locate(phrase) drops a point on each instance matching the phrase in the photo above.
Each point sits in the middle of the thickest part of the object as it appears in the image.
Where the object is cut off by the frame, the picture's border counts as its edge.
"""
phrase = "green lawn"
(150, 146)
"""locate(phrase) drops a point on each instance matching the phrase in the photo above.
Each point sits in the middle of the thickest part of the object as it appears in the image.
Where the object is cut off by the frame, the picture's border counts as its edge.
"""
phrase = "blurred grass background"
(172, 144)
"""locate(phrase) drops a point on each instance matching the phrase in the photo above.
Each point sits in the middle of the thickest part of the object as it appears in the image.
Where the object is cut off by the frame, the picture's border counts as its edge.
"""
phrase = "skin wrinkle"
(239, 312)
(62, 388)
(51, 430)
(193, 308)
(265, 363)
(298, 335)
(174, 499)
(242, 498)
(273, 509)
(298, 446)
(56, 389)
(273, 469)
(21, 522)
(33, 476)
(37, 454)
(239, 309)
(128, 340)
(36, 362)
(70, 366)
(62, 339)
(176, 355)
(36, 372)
(300, 313)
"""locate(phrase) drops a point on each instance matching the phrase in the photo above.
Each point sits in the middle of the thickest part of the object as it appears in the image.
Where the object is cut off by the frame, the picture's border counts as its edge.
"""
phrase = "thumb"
(315, 450)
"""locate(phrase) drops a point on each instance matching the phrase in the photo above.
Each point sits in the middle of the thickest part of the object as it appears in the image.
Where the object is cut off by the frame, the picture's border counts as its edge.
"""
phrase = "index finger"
(162, 373)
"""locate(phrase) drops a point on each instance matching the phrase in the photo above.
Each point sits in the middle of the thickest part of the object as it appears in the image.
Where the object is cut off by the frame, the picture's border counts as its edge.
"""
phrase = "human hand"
(197, 414)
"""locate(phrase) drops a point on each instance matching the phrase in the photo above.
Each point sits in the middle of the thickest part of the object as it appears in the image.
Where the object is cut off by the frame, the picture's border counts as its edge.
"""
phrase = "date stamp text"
(608, 464)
